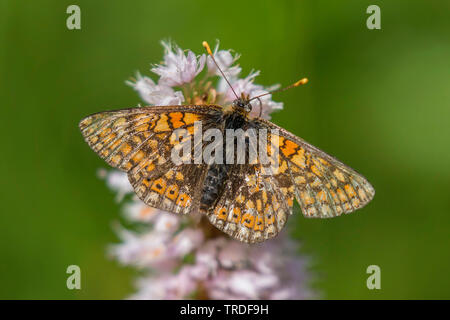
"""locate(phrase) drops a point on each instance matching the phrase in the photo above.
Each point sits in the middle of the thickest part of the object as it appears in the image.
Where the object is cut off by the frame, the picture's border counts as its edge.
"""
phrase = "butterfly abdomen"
(217, 175)
(213, 186)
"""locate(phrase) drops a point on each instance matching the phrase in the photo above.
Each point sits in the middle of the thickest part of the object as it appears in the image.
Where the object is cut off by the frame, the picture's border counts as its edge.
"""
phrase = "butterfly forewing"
(323, 186)
(140, 141)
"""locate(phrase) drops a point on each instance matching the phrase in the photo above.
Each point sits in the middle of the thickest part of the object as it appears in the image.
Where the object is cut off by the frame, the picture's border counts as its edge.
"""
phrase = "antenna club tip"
(301, 82)
(206, 46)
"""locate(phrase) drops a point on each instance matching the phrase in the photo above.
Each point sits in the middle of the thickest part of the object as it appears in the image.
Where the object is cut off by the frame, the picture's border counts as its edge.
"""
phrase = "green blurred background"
(379, 100)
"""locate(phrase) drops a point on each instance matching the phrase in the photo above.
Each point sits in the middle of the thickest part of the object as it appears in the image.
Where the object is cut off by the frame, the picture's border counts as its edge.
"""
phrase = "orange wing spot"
(105, 132)
(127, 166)
(161, 124)
(138, 156)
(146, 182)
(141, 128)
(283, 167)
(347, 206)
(316, 171)
(236, 215)
(159, 185)
(322, 196)
(338, 174)
(350, 191)
(126, 149)
(172, 192)
(169, 174)
(136, 139)
(153, 144)
(109, 138)
(175, 119)
(139, 116)
(150, 167)
(289, 148)
(264, 196)
(335, 197)
(259, 224)
(115, 144)
(221, 213)
(147, 134)
(259, 205)
(116, 159)
(105, 153)
(299, 160)
(162, 136)
(306, 198)
(248, 220)
(190, 130)
(179, 176)
(240, 198)
(144, 120)
(341, 195)
(183, 200)
(269, 219)
(190, 118)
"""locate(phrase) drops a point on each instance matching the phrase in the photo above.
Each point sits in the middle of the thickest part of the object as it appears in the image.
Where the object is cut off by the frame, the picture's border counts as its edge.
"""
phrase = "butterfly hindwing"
(252, 207)
(170, 188)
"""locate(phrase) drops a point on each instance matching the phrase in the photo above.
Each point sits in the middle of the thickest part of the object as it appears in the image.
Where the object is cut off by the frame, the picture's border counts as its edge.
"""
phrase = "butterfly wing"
(257, 199)
(253, 207)
(323, 186)
(140, 140)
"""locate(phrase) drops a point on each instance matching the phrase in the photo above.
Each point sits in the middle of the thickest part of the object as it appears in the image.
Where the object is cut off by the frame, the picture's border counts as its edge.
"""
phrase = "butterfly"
(248, 201)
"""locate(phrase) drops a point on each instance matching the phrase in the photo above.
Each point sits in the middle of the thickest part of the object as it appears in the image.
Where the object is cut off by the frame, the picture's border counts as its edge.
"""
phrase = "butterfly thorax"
(241, 106)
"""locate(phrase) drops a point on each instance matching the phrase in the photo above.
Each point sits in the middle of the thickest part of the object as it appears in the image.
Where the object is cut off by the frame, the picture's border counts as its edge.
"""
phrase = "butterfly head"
(242, 105)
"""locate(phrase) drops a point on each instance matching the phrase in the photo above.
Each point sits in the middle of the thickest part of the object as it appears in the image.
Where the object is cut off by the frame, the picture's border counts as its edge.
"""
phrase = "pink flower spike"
(178, 68)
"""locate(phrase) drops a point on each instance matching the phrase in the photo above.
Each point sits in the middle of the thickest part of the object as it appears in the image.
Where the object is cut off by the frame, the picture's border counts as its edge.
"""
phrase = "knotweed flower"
(179, 68)
(185, 256)
(225, 60)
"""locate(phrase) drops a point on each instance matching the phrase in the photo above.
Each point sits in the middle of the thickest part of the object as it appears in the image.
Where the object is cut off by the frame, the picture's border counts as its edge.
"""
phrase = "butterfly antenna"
(208, 49)
(297, 84)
